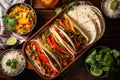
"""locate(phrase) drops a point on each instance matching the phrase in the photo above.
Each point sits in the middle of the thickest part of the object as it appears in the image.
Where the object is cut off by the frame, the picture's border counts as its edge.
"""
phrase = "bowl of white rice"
(111, 8)
(12, 62)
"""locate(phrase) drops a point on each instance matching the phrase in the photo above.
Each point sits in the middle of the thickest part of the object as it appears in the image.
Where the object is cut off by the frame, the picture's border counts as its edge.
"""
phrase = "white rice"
(108, 11)
(13, 55)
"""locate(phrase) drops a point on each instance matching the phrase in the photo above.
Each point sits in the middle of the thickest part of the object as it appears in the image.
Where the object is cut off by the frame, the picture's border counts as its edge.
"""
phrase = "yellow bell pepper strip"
(68, 23)
(63, 61)
(59, 48)
(62, 58)
(47, 46)
(56, 39)
(62, 41)
(63, 35)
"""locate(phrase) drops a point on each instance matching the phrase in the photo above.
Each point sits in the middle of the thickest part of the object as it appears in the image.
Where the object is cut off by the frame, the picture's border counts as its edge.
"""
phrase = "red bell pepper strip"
(45, 60)
(67, 24)
(48, 40)
(76, 41)
(41, 55)
(61, 23)
(59, 48)
(56, 52)
(53, 73)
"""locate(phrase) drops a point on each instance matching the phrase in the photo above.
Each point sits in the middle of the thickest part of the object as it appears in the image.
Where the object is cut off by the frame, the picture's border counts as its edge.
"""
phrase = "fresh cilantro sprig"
(71, 7)
(64, 3)
(9, 22)
(12, 63)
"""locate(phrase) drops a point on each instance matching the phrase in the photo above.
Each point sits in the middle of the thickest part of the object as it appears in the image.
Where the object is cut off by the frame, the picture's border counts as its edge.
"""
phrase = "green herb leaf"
(12, 63)
(57, 10)
(8, 63)
(73, 5)
(115, 53)
(9, 22)
(56, 22)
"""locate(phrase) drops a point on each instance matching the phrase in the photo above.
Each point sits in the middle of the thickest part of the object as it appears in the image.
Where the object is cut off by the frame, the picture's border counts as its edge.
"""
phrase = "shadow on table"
(28, 75)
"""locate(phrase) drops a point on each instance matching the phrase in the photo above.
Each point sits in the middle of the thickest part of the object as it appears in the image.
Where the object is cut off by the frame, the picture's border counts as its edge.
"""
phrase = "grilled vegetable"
(49, 53)
(71, 51)
(50, 48)
(43, 61)
(57, 45)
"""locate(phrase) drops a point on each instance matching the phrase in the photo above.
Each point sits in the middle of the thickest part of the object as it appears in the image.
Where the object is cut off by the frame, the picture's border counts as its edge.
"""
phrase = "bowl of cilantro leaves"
(103, 62)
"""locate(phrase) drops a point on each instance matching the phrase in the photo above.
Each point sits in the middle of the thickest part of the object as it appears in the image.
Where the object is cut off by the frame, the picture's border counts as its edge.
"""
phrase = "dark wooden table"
(77, 70)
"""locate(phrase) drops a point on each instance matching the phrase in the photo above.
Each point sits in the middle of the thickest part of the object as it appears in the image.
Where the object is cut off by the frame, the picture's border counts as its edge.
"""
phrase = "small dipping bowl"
(103, 75)
(12, 62)
(111, 8)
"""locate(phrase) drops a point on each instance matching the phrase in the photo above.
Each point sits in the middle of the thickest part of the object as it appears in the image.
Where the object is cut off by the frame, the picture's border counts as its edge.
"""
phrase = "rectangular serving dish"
(38, 33)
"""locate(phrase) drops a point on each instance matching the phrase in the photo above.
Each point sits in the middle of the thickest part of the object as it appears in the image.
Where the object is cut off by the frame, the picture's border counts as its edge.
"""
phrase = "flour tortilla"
(79, 29)
(102, 21)
(79, 15)
(93, 16)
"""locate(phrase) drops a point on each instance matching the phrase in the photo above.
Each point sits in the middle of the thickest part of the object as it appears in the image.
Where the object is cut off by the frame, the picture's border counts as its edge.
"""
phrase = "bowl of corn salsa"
(23, 17)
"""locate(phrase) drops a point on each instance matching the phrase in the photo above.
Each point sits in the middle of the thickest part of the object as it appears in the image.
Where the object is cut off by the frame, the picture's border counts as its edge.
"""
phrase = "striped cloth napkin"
(4, 34)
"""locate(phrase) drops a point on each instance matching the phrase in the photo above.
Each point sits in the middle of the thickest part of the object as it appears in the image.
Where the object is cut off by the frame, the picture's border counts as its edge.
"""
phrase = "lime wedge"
(11, 41)
(114, 4)
(96, 71)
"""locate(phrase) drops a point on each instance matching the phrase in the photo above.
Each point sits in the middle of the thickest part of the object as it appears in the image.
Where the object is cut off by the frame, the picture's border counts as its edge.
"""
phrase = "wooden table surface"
(77, 70)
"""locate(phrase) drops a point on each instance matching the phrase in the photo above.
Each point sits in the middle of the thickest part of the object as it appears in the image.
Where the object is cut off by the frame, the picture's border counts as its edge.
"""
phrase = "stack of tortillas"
(89, 18)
